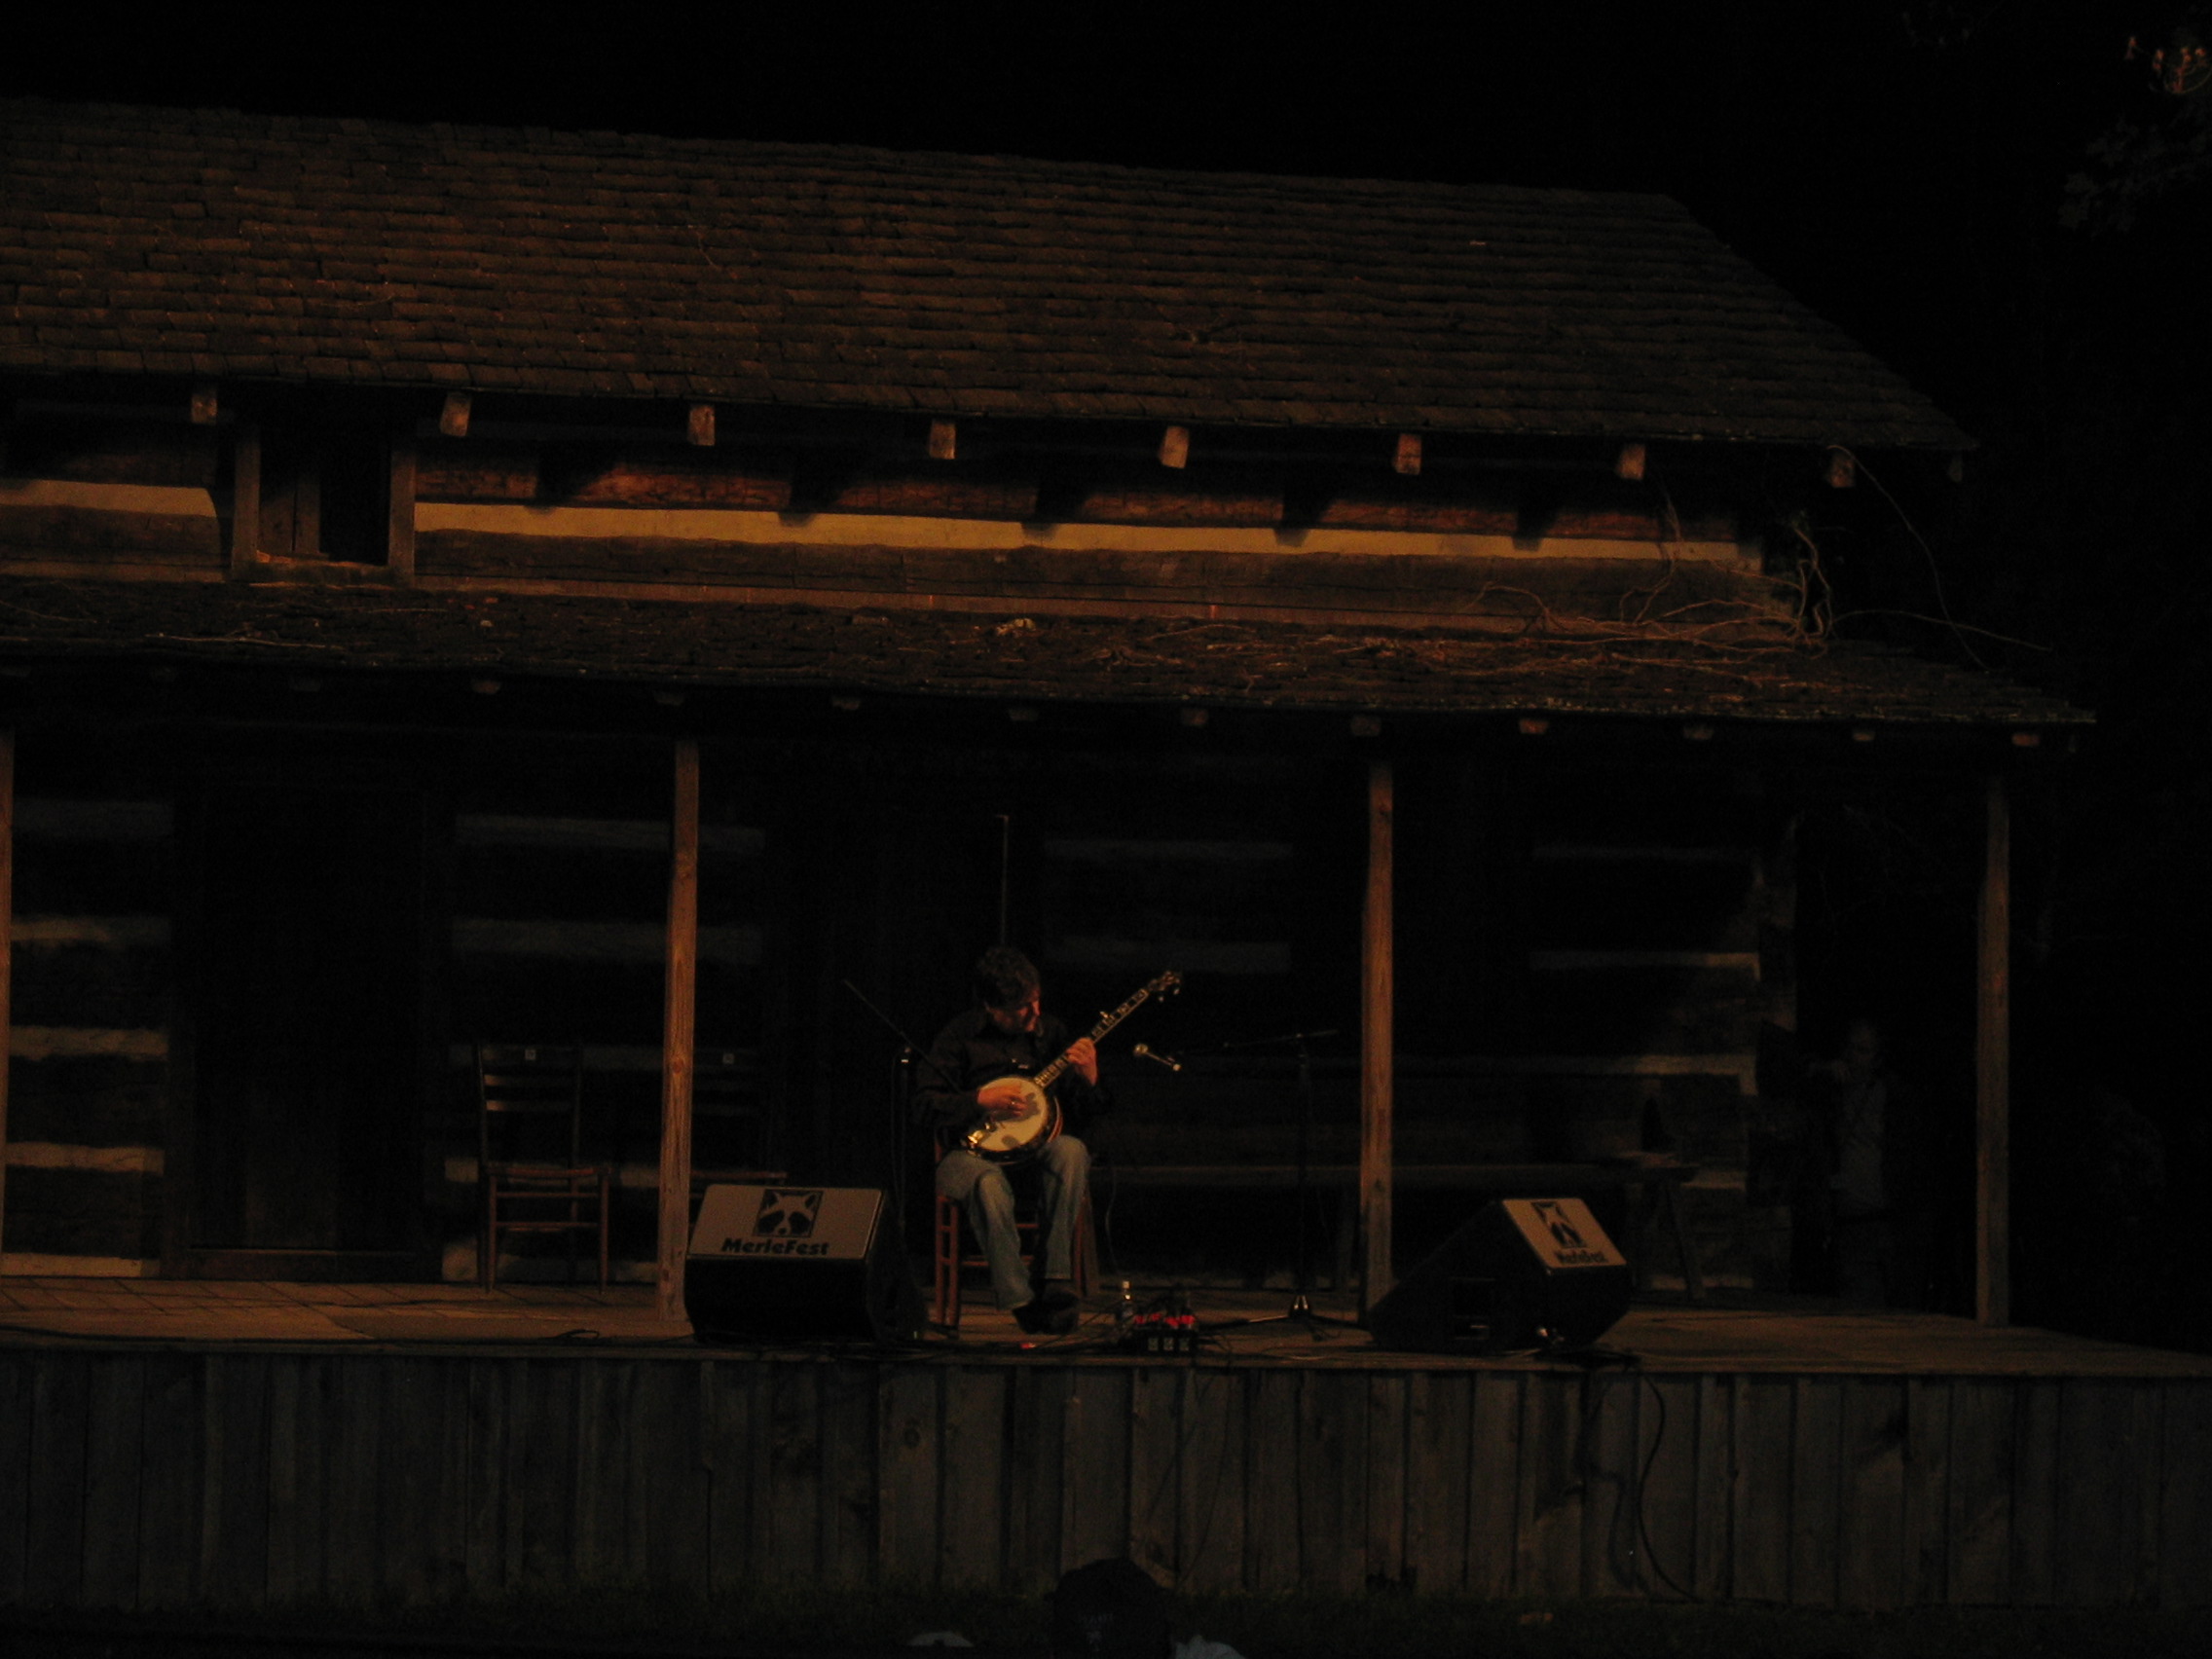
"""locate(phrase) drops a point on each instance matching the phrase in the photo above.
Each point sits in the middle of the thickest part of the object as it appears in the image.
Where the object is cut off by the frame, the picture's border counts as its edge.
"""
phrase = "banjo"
(1025, 1133)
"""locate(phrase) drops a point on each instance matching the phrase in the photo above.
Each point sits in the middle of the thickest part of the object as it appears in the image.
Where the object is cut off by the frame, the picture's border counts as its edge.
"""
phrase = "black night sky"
(1991, 194)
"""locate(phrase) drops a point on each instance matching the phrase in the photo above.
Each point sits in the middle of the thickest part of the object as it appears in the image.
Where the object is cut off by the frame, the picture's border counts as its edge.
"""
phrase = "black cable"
(1643, 1475)
(1168, 1475)
(1591, 1358)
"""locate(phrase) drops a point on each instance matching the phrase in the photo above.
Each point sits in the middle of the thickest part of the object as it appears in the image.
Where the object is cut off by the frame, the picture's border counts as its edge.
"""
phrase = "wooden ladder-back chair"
(537, 1182)
(950, 1261)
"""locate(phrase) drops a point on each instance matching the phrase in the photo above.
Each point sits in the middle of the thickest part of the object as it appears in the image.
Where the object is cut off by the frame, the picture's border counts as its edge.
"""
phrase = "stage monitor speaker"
(797, 1264)
(1524, 1273)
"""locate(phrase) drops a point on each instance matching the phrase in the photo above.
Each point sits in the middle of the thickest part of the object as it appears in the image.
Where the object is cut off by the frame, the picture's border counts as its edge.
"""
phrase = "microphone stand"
(1301, 1309)
(901, 1095)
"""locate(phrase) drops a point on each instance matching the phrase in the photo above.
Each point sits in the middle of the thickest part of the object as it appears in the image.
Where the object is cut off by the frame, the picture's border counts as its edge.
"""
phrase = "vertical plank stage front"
(7, 957)
(1376, 1054)
(678, 1030)
(1993, 1084)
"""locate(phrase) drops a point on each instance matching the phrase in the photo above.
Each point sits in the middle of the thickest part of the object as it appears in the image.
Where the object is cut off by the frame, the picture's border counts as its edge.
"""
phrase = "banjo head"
(1025, 1131)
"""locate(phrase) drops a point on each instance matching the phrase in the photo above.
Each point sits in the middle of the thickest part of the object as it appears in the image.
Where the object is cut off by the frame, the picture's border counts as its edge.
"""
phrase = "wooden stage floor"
(274, 1446)
(1794, 1335)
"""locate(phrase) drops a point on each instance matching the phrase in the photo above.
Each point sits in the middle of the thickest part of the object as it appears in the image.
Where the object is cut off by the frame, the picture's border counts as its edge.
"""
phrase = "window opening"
(324, 495)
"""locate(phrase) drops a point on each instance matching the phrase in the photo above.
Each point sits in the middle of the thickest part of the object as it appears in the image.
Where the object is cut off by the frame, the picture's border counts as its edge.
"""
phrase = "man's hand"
(1083, 1054)
(1002, 1098)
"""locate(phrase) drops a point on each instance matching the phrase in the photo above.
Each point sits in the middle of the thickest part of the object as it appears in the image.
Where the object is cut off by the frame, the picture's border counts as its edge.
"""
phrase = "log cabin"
(464, 585)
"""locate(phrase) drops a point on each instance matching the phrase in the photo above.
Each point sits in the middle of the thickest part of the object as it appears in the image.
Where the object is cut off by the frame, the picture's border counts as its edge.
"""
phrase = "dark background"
(1993, 195)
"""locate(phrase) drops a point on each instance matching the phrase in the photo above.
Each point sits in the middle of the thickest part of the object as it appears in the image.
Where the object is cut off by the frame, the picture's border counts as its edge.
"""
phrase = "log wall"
(1593, 964)
(296, 498)
(1650, 972)
(1034, 489)
(88, 1057)
(1588, 975)
(556, 935)
(153, 1478)
(120, 498)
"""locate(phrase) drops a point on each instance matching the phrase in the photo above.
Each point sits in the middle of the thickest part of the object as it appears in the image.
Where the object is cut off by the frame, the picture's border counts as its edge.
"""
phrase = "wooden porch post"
(399, 499)
(246, 500)
(1375, 1056)
(678, 1038)
(1993, 1071)
(7, 956)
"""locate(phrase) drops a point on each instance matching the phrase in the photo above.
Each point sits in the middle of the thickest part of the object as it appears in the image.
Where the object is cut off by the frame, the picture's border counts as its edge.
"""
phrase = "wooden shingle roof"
(1079, 659)
(238, 246)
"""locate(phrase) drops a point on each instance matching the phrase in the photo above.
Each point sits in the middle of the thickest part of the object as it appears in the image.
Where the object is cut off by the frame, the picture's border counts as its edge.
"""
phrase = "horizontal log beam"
(765, 483)
(1444, 585)
(933, 494)
(1166, 502)
(665, 479)
(182, 458)
(1530, 1178)
(162, 539)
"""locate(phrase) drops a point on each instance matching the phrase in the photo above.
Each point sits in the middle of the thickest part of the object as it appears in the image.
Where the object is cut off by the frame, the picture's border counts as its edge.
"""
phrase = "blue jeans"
(1063, 1170)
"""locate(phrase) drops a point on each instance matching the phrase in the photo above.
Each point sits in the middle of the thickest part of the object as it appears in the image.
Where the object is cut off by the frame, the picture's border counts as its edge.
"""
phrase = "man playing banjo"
(974, 1078)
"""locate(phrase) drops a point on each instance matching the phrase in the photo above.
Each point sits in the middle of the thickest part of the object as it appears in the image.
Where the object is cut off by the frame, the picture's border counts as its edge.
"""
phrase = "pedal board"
(1162, 1328)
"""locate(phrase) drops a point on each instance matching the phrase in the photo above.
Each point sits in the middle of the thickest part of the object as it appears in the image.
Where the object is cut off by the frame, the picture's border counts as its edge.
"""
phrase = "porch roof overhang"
(353, 255)
(944, 654)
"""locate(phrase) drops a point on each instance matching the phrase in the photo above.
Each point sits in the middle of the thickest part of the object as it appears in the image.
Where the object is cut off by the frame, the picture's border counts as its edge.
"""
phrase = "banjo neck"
(1052, 1073)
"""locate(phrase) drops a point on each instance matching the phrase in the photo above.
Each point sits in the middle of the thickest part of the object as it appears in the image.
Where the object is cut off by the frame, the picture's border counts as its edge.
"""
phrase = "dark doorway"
(308, 1065)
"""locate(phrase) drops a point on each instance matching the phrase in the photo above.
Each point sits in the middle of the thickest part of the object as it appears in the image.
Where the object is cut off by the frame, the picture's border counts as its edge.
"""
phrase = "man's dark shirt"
(971, 1051)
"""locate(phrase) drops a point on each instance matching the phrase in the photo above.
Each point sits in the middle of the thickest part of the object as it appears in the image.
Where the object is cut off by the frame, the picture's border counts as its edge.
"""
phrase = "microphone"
(1157, 1059)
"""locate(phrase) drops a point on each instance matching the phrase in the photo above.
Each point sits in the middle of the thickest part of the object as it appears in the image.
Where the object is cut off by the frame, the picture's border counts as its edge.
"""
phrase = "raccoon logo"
(786, 1213)
(1565, 1232)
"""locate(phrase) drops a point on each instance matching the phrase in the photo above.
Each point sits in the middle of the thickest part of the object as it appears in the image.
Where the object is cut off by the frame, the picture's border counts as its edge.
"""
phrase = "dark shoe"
(1054, 1313)
(1062, 1312)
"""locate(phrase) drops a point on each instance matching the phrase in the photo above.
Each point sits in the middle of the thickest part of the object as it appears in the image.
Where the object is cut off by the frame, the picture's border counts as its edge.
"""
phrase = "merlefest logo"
(783, 1225)
(1570, 1249)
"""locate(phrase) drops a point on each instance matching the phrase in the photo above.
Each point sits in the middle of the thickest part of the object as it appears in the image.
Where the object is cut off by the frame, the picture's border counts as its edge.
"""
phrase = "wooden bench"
(1493, 1180)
